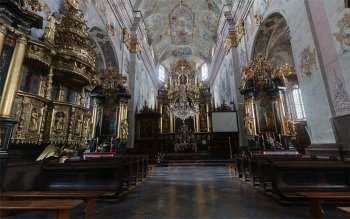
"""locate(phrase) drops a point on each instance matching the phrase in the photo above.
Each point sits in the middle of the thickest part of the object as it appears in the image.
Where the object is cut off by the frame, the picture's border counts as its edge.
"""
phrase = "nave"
(193, 192)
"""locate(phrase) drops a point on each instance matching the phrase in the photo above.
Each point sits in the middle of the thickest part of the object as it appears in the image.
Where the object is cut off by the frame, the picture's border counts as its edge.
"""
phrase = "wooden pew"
(61, 208)
(322, 175)
(88, 196)
(316, 199)
(83, 175)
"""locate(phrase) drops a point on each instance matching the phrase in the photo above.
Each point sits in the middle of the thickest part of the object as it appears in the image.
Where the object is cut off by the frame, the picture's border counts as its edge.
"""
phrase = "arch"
(105, 46)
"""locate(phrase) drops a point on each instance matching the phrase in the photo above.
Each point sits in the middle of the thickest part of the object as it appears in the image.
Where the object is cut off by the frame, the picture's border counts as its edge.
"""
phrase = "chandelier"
(182, 108)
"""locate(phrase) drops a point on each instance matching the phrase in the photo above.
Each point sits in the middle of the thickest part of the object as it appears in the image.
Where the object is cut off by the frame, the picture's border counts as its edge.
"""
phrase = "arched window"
(204, 71)
(296, 106)
(161, 73)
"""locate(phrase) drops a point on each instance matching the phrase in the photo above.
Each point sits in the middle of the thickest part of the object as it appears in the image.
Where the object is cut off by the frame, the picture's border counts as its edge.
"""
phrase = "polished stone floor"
(194, 192)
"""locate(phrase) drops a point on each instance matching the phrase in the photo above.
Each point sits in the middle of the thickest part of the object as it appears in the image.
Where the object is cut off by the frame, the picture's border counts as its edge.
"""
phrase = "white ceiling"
(156, 16)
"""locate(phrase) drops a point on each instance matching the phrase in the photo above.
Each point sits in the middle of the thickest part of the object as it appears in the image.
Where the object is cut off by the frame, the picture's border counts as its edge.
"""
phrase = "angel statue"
(61, 153)
(73, 3)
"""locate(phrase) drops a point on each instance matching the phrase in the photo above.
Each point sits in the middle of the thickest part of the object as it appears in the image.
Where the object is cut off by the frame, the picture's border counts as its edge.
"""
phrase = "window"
(296, 103)
(347, 3)
(204, 71)
(161, 75)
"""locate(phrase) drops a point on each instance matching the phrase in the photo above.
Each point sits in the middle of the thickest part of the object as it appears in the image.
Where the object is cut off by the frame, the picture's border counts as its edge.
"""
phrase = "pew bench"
(88, 196)
(316, 199)
(344, 209)
(61, 207)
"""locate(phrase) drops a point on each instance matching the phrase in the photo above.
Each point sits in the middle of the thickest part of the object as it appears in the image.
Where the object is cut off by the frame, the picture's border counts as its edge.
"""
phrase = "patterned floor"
(193, 192)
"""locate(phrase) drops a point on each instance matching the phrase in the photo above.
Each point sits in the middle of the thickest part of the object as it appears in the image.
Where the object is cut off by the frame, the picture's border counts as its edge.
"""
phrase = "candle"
(97, 141)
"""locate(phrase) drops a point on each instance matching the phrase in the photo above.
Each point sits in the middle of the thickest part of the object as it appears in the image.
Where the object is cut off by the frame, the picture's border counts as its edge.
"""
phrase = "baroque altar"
(267, 126)
(184, 102)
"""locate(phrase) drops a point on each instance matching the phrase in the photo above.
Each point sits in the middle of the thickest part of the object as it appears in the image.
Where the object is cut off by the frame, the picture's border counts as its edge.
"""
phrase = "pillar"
(13, 78)
(3, 33)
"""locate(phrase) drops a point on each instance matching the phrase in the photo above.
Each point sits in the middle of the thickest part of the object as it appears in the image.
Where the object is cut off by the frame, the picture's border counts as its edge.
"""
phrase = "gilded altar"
(184, 89)
(55, 82)
(266, 123)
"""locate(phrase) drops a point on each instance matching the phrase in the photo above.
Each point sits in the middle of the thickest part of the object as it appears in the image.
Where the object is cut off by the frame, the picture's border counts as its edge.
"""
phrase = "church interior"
(174, 109)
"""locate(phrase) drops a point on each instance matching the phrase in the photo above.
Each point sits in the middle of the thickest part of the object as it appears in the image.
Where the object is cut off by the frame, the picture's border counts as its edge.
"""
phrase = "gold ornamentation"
(258, 19)
(135, 46)
(307, 61)
(240, 30)
(231, 41)
(126, 36)
(30, 115)
(124, 125)
(112, 80)
(73, 3)
(284, 71)
(289, 126)
(50, 29)
(3, 28)
(258, 70)
(343, 36)
(34, 4)
(76, 50)
(38, 51)
(131, 43)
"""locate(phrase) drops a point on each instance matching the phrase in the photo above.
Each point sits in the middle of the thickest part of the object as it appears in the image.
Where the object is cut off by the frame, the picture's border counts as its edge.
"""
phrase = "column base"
(341, 151)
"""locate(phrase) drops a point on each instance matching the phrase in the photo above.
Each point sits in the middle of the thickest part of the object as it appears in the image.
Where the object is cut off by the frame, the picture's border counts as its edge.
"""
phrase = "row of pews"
(62, 187)
(295, 178)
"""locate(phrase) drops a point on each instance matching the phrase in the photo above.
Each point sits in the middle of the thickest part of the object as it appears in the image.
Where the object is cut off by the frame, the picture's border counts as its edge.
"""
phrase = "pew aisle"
(194, 192)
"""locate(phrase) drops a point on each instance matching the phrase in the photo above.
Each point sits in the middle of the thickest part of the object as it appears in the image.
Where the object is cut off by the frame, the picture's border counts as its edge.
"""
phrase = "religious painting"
(265, 115)
(109, 120)
(276, 109)
(181, 25)
(30, 81)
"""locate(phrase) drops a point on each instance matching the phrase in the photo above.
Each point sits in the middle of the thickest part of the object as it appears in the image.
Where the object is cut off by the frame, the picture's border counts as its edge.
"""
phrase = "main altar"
(184, 105)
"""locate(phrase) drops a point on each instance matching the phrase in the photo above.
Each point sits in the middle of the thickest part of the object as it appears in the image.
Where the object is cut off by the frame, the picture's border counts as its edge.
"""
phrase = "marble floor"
(193, 192)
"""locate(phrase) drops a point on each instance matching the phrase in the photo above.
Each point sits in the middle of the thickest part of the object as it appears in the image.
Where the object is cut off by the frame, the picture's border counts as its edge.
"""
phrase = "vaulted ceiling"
(186, 31)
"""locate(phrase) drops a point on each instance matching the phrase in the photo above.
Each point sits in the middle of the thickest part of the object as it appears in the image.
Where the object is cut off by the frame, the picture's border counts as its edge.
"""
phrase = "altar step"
(195, 159)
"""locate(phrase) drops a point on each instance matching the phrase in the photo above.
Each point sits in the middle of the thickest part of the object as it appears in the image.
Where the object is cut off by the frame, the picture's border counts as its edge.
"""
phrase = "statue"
(78, 125)
(34, 120)
(50, 29)
(59, 122)
(124, 129)
(249, 126)
(290, 126)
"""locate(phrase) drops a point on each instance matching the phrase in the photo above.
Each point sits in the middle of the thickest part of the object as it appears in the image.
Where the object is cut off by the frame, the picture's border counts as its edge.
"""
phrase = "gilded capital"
(3, 29)
(135, 46)
(22, 39)
(231, 41)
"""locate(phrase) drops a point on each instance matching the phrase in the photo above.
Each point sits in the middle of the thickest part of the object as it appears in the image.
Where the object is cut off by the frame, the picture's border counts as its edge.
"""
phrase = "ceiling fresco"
(186, 31)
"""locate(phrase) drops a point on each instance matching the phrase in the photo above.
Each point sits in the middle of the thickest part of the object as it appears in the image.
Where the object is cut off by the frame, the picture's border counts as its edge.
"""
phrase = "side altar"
(267, 124)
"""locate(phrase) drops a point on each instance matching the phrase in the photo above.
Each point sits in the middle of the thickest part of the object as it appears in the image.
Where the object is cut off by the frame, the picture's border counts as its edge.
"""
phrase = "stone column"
(237, 97)
(13, 78)
(132, 101)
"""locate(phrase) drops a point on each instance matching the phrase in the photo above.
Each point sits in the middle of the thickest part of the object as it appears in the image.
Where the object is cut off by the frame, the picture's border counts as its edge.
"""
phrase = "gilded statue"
(290, 126)
(124, 128)
(34, 120)
(50, 29)
(249, 127)
(78, 125)
(59, 122)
